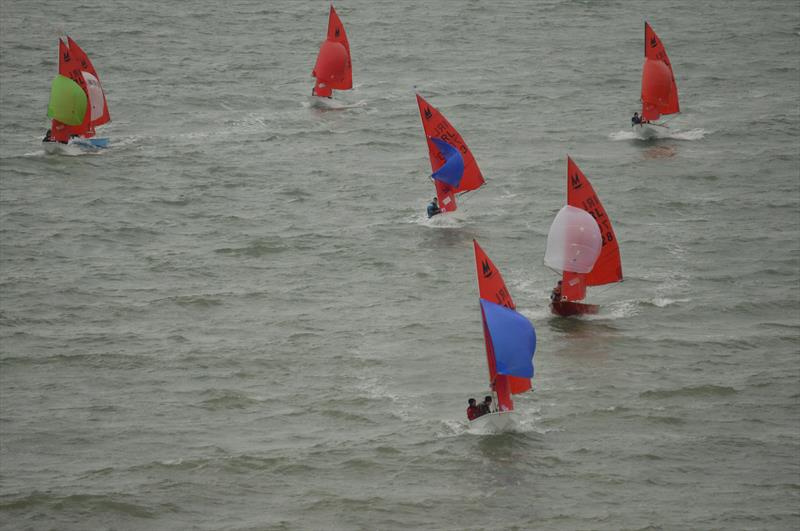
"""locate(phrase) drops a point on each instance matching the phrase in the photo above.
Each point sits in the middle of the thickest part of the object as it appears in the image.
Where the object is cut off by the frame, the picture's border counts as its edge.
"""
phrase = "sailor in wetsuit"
(636, 120)
(433, 208)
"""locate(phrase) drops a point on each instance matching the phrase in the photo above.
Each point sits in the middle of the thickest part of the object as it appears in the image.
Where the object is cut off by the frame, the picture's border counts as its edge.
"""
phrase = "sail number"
(592, 206)
(451, 137)
(504, 298)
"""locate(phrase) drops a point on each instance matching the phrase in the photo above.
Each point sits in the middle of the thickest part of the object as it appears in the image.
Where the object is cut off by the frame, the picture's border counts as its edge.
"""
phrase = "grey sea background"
(238, 317)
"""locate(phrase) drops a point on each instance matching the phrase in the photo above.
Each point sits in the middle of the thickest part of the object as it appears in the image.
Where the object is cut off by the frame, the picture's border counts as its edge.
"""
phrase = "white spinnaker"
(574, 241)
(96, 99)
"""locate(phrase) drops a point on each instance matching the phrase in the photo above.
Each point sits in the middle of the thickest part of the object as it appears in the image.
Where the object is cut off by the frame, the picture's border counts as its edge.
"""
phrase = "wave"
(690, 392)
(663, 302)
(228, 399)
(97, 361)
(80, 503)
(199, 301)
(323, 105)
(256, 249)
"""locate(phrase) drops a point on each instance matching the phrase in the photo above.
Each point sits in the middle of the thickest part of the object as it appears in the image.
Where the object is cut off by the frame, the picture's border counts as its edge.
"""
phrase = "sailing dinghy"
(659, 91)
(333, 69)
(77, 101)
(510, 341)
(455, 170)
(581, 246)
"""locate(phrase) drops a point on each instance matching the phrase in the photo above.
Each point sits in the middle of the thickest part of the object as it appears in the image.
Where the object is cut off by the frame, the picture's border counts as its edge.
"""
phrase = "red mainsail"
(333, 69)
(69, 67)
(73, 63)
(608, 267)
(659, 91)
(492, 288)
(85, 65)
(436, 125)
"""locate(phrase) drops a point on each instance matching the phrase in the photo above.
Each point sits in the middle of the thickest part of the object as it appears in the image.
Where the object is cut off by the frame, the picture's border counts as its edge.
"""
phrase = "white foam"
(694, 134)
(69, 150)
(618, 310)
(325, 104)
(623, 135)
(662, 133)
(451, 220)
(663, 302)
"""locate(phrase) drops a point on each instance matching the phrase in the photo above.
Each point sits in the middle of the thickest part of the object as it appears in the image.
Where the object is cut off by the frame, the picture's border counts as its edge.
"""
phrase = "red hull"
(567, 308)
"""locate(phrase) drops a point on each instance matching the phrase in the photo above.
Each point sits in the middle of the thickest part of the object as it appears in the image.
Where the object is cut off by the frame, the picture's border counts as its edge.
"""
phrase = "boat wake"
(694, 134)
(69, 150)
(451, 220)
(691, 135)
(618, 310)
(325, 104)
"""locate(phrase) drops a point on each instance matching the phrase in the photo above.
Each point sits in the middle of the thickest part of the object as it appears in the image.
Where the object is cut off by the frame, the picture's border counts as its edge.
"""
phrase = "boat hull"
(646, 131)
(499, 421)
(91, 143)
(568, 308)
(87, 144)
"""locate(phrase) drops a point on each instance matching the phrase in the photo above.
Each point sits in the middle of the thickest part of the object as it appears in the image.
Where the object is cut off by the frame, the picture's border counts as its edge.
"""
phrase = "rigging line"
(464, 194)
(668, 120)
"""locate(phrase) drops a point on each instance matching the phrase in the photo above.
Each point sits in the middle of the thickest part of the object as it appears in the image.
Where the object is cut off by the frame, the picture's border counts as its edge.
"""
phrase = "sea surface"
(238, 317)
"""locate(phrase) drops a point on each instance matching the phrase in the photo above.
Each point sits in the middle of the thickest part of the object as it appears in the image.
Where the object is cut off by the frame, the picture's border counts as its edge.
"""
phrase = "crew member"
(486, 406)
(472, 410)
(433, 208)
(555, 296)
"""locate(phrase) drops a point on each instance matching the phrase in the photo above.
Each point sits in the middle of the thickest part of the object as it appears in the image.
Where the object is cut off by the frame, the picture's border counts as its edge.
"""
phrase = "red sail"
(85, 65)
(333, 69)
(608, 267)
(573, 286)
(492, 288)
(68, 66)
(436, 126)
(659, 91)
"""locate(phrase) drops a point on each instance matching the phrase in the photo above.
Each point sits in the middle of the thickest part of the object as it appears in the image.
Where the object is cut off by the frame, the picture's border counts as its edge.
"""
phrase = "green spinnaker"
(68, 101)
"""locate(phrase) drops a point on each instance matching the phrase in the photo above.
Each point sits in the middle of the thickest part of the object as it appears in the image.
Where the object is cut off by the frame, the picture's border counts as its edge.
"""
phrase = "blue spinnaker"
(513, 339)
(452, 170)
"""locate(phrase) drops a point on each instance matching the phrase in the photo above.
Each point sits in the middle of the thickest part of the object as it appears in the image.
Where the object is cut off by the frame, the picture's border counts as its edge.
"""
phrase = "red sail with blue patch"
(436, 126)
(492, 288)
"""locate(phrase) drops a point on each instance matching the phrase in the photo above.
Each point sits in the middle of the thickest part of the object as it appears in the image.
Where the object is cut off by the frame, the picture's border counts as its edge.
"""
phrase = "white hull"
(75, 146)
(499, 422)
(646, 131)
(54, 147)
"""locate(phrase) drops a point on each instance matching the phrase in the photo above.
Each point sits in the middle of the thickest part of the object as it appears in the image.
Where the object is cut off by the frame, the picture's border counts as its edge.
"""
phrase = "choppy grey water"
(237, 317)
